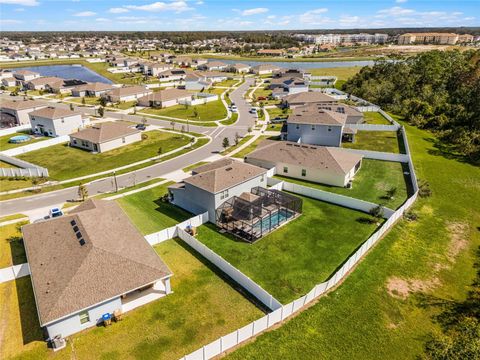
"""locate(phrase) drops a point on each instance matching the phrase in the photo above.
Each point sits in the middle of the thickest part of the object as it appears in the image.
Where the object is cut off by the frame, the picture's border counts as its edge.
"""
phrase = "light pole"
(115, 181)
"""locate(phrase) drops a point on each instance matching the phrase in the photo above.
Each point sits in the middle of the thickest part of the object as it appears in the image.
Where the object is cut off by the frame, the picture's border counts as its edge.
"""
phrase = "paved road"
(216, 134)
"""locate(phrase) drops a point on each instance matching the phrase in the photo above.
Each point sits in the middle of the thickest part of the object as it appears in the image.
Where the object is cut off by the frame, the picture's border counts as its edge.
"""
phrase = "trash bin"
(107, 319)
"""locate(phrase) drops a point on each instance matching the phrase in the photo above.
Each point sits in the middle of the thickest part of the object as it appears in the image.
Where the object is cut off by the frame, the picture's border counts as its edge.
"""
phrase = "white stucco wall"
(57, 127)
(315, 135)
(116, 143)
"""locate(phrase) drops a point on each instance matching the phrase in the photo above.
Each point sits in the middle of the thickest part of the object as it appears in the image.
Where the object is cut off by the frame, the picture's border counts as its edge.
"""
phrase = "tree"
(192, 141)
(195, 112)
(159, 151)
(225, 142)
(144, 120)
(237, 138)
(391, 193)
(82, 192)
(101, 111)
(103, 101)
(376, 213)
(172, 124)
(71, 107)
(83, 101)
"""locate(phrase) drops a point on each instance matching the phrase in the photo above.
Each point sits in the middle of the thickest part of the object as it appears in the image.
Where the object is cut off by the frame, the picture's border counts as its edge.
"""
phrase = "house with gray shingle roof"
(321, 164)
(212, 184)
(89, 263)
(19, 109)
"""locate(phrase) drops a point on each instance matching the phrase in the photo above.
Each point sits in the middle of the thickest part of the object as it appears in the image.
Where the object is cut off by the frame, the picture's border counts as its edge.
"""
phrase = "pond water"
(301, 64)
(78, 72)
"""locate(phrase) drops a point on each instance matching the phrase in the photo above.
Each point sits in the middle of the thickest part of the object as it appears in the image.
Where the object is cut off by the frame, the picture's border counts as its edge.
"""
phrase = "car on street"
(55, 212)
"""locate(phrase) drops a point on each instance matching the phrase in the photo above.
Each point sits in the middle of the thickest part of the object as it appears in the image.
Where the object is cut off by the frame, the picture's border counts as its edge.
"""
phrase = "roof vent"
(229, 168)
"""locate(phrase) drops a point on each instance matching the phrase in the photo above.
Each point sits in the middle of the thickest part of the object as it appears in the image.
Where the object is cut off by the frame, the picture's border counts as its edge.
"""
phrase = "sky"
(184, 15)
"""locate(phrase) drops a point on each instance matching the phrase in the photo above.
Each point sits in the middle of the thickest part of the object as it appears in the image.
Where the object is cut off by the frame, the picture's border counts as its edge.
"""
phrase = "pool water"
(19, 139)
(276, 219)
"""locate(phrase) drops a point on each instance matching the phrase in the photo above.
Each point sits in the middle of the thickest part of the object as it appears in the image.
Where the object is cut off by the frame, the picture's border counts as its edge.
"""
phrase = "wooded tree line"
(435, 90)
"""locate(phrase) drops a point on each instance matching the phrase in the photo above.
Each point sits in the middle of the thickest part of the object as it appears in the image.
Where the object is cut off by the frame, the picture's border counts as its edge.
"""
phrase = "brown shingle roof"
(103, 132)
(315, 115)
(219, 176)
(68, 277)
(129, 90)
(51, 112)
(95, 86)
(21, 104)
(166, 95)
(333, 159)
(44, 80)
(308, 97)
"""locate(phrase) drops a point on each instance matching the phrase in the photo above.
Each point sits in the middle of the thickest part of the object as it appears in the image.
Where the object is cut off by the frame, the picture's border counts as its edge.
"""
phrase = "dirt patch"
(401, 288)
(459, 239)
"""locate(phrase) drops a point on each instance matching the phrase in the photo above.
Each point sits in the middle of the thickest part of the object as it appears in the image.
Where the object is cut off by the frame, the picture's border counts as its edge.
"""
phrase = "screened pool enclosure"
(253, 215)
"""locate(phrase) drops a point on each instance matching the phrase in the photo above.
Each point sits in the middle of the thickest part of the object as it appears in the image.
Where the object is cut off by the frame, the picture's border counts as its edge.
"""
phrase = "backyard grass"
(216, 91)
(64, 162)
(149, 213)
(386, 141)
(5, 145)
(274, 127)
(291, 260)
(201, 308)
(436, 253)
(371, 183)
(278, 112)
(12, 251)
(342, 73)
(241, 154)
(214, 110)
(375, 118)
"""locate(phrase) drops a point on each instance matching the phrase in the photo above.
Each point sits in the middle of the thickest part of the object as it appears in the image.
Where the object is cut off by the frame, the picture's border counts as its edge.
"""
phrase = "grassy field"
(291, 260)
(207, 112)
(277, 112)
(342, 73)
(89, 100)
(5, 145)
(241, 154)
(64, 162)
(12, 251)
(386, 141)
(226, 83)
(432, 258)
(201, 308)
(240, 143)
(375, 118)
(149, 213)
(371, 183)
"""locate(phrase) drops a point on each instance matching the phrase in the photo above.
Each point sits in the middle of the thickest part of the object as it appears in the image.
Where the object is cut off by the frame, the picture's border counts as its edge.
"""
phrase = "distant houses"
(95, 89)
(164, 98)
(127, 93)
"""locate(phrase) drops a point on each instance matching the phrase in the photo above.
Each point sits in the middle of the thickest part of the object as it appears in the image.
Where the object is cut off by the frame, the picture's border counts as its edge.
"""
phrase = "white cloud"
(102, 19)
(254, 11)
(315, 17)
(21, 2)
(396, 11)
(85, 14)
(177, 6)
(400, 1)
(118, 10)
(271, 17)
(19, 9)
(10, 22)
(200, 2)
(245, 23)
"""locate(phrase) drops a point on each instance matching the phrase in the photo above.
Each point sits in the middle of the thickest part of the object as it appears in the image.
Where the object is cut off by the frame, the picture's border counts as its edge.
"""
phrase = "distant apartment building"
(338, 39)
(433, 38)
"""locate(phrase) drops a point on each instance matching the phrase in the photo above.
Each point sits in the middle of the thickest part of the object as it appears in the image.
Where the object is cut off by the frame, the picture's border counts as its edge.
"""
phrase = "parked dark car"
(140, 127)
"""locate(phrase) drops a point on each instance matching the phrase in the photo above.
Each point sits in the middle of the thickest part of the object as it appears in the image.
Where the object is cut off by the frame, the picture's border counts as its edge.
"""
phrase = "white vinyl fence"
(378, 155)
(14, 272)
(370, 108)
(200, 99)
(14, 129)
(373, 127)
(36, 145)
(24, 168)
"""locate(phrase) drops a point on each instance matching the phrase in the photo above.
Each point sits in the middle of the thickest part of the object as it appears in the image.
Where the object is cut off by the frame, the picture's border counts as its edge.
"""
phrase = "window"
(63, 120)
(75, 141)
(262, 178)
(297, 127)
(84, 318)
(329, 128)
(304, 172)
(123, 140)
(285, 170)
(313, 127)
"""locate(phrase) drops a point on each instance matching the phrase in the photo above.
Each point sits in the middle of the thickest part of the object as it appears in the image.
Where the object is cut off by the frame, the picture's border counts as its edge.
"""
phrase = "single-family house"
(90, 264)
(129, 62)
(305, 98)
(19, 109)
(264, 69)
(157, 68)
(164, 98)
(95, 89)
(310, 124)
(197, 62)
(271, 52)
(127, 93)
(105, 136)
(9, 81)
(239, 68)
(283, 86)
(213, 66)
(64, 87)
(25, 75)
(196, 81)
(172, 75)
(214, 183)
(321, 164)
(5, 73)
(183, 61)
(354, 116)
(55, 121)
(40, 83)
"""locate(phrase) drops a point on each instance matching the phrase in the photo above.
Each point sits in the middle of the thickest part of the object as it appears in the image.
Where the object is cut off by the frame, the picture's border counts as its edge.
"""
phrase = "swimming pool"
(272, 221)
(19, 139)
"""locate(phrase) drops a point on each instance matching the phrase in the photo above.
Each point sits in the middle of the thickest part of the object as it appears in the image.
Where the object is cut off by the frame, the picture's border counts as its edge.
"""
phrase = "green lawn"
(226, 83)
(5, 145)
(12, 217)
(64, 162)
(342, 73)
(240, 143)
(216, 91)
(291, 260)
(211, 111)
(436, 252)
(275, 127)
(386, 141)
(149, 213)
(12, 251)
(201, 308)
(193, 166)
(4, 164)
(371, 183)
(375, 118)
(124, 105)
(278, 112)
(241, 154)
(89, 100)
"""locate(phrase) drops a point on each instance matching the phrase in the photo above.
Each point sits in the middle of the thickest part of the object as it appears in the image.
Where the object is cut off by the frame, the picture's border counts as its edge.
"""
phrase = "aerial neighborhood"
(180, 196)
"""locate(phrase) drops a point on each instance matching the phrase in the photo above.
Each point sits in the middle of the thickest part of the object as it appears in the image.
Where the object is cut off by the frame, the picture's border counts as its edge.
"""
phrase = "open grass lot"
(241, 154)
(216, 91)
(291, 260)
(436, 253)
(342, 73)
(375, 118)
(149, 213)
(371, 183)
(277, 112)
(12, 251)
(202, 307)
(124, 105)
(386, 141)
(7, 184)
(89, 100)
(189, 168)
(5, 145)
(227, 83)
(240, 143)
(64, 162)
(207, 112)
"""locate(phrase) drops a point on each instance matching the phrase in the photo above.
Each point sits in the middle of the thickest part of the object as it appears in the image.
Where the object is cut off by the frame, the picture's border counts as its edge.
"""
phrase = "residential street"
(217, 134)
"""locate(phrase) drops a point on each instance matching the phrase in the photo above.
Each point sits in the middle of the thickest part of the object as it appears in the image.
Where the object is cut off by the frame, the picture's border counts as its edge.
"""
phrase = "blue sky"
(125, 15)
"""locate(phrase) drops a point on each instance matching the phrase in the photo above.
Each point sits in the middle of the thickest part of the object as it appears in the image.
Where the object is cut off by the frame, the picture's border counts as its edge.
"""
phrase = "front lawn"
(386, 141)
(124, 105)
(89, 100)
(242, 153)
(291, 260)
(240, 143)
(12, 251)
(64, 162)
(375, 118)
(5, 145)
(226, 83)
(202, 307)
(371, 183)
(214, 110)
(278, 112)
(149, 213)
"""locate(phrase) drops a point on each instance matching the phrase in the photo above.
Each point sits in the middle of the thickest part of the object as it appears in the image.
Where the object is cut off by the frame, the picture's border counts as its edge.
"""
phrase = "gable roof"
(21, 104)
(129, 90)
(308, 97)
(68, 277)
(103, 132)
(332, 159)
(223, 174)
(52, 112)
(44, 80)
(166, 95)
(95, 86)
(314, 114)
